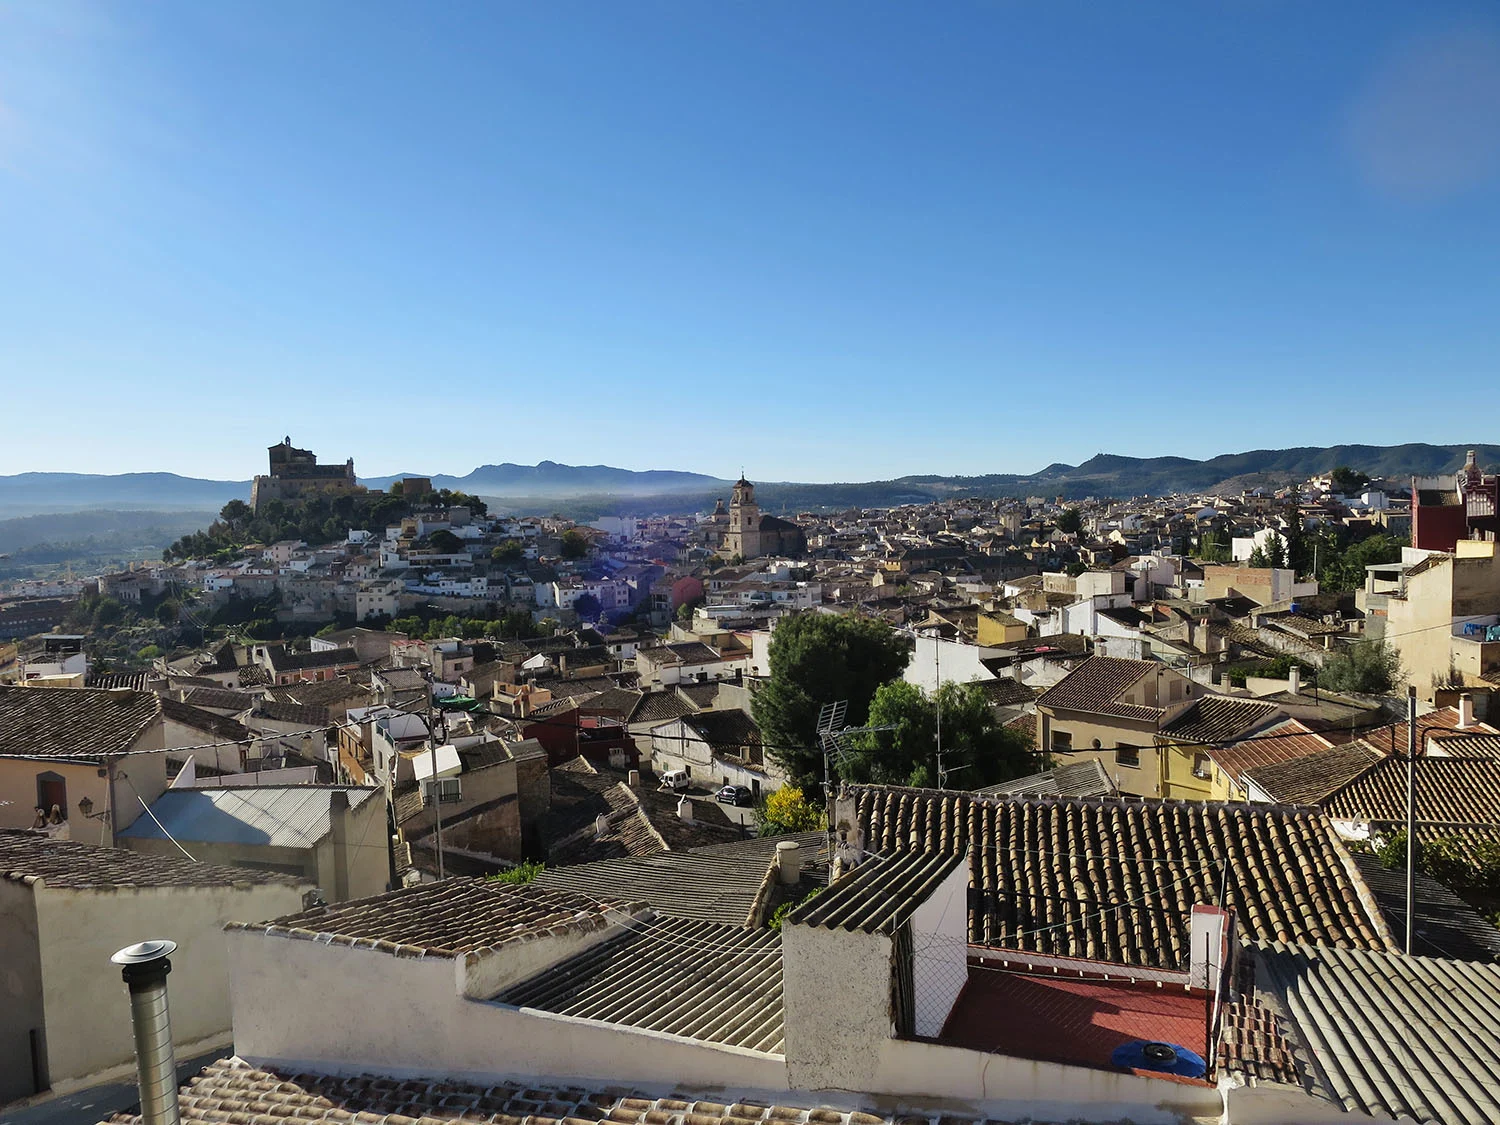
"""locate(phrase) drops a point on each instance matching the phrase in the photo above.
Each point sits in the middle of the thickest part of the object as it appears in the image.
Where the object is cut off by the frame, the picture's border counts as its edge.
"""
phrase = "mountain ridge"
(609, 489)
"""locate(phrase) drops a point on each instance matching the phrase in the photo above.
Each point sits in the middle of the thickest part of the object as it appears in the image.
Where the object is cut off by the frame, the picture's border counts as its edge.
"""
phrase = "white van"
(676, 780)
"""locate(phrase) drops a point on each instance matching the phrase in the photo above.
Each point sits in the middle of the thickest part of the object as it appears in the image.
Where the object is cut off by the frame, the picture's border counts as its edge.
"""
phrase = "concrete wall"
(838, 989)
(87, 1006)
(305, 1002)
(20, 990)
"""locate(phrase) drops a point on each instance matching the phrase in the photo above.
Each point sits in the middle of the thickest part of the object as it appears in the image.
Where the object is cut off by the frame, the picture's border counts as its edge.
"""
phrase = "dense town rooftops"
(26, 857)
(1115, 879)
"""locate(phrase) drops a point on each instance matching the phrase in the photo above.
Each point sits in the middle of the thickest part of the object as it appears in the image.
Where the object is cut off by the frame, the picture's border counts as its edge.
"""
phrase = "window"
(1203, 767)
(1128, 756)
(1062, 740)
(449, 790)
(52, 791)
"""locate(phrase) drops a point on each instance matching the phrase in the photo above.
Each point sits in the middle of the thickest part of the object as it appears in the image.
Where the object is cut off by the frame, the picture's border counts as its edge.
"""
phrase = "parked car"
(737, 795)
(675, 780)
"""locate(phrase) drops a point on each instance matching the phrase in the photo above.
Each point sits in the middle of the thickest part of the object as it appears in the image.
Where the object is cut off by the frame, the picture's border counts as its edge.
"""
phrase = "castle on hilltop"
(295, 475)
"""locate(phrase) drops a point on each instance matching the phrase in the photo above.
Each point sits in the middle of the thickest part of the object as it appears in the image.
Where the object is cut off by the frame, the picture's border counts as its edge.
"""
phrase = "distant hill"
(591, 490)
(33, 493)
(550, 479)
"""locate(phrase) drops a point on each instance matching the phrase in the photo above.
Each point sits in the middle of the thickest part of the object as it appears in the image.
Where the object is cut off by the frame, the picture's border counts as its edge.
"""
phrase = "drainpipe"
(145, 967)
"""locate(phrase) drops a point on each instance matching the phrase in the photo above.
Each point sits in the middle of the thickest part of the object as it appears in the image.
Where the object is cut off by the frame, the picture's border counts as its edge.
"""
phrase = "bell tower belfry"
(744, 522)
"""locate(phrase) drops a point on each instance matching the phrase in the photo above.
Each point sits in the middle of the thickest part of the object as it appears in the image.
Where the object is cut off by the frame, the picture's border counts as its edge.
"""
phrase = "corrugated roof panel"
(291, 816)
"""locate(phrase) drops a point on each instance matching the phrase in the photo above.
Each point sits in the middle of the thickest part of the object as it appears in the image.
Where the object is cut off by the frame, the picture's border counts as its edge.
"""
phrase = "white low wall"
(1029, 1088)
(350, 1009)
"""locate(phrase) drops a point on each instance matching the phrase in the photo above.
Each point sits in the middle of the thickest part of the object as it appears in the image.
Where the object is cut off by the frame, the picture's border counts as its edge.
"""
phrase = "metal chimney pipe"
(145, 967)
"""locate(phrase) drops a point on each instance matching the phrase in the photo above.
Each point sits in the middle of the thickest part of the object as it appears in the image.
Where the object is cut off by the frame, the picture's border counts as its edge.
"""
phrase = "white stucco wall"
(1027, 1088)
(87, 1006)
(940, 950)
(954, 660)
(350, 1009)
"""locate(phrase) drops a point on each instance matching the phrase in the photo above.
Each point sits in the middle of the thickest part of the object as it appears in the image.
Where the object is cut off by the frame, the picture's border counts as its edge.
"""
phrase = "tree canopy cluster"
(316, 520)
(818, 658)
(977, 749)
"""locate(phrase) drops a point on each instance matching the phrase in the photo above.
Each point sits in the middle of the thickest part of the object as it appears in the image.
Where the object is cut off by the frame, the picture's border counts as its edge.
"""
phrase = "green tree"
(788, 810)
(1347, 481)
(976, 747)
(168, 612)
(818, 658)
(575, 544)
(1070, 522)
(1258, 558)
(510, 551)
(1276, 551)
(1369, 666)
(587, 607)
(1213, 546)
(1077, 568)
(445, 541)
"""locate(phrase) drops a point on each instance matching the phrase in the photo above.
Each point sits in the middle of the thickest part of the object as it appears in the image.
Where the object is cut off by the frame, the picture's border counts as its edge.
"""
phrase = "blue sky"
(823, 241)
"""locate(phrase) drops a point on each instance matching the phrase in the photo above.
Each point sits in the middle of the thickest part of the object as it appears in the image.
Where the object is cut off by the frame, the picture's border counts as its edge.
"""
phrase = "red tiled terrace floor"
(1071, 1020)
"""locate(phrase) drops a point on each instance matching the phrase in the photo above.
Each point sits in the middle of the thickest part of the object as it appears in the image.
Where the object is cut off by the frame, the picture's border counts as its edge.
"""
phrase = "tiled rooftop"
(1286, 741)
(700, 980)
(27, 856)
(79, 723)
(879, 895)
(444, 919)
(1096, 685)
(1115, 879)
(722, 883)
(1217, 719)
(1309, 778)
(236, 1092)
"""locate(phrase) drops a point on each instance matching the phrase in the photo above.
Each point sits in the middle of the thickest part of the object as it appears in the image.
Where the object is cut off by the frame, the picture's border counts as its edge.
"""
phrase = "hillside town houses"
(1180, 912)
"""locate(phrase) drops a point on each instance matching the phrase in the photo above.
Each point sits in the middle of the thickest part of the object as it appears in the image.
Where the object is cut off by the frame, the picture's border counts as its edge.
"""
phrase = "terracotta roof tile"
(26, 856)
(443, 919)
(234, 1091)
(1115, 879)
(1096, 685)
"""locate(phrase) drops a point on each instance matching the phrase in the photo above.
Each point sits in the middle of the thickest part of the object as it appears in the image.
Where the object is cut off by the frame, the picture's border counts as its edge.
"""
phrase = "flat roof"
(1039, 1015)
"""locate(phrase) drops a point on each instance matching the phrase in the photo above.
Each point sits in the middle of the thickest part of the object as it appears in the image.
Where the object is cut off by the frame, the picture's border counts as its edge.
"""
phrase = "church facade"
(751, 535)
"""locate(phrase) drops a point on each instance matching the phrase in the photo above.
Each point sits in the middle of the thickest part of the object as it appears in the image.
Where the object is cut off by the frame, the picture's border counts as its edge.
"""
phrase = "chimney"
(685, 809)
(338, 817)
(1465, 711)
(788, 865)
(633, 779)
(1294, 680)
(145, 967)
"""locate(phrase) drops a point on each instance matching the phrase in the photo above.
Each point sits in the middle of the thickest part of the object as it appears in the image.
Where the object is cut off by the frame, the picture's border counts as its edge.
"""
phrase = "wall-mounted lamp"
(86, 807)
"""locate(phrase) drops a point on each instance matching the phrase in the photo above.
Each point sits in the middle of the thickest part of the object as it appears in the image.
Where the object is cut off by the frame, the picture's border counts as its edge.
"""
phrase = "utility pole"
(1411, 816)
(434, 718)
(937, 665)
